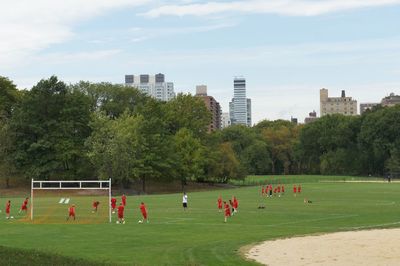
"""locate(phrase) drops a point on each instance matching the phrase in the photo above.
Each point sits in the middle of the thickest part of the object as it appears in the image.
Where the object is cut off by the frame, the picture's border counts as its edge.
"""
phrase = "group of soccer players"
(233, 204)
(269, 191)
(120, 210)
(24, 208)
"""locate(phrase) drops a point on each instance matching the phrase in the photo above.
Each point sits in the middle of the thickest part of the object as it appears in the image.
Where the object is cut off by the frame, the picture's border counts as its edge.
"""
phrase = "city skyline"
(287, 50)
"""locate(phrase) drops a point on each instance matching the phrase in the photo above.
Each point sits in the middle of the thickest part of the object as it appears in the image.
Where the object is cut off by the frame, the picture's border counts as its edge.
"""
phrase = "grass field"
(199, 236)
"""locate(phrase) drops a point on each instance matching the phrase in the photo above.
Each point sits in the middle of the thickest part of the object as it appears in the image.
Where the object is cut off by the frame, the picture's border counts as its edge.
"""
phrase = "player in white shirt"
(184, 201)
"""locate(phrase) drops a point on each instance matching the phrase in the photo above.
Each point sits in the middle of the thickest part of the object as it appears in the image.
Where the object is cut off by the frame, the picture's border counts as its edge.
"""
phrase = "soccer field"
(199, 236)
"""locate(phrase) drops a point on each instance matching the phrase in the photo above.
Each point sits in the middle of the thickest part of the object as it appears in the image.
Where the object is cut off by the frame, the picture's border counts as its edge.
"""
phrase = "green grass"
(256, 180)
(199, 236)
(12, 256)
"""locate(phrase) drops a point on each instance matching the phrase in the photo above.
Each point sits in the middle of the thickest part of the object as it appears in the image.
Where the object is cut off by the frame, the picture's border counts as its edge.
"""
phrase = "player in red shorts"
(270, 190)
(123, 199)
(227, 211)
(294, 190)
(235, 204)
(121, 209)
(262, 191)
(278, 189)
(143, 210)
(113, 204)
(8, 208)
(299, 189)
(219, 203)
(71, 212)
(95, 206)
(24, 206)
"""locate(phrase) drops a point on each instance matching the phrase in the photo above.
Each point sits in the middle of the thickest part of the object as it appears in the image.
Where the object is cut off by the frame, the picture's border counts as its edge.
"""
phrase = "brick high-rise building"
(212, 105)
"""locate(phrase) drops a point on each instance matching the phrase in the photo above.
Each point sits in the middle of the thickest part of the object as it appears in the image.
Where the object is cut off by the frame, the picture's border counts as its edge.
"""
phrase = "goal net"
(51, 200)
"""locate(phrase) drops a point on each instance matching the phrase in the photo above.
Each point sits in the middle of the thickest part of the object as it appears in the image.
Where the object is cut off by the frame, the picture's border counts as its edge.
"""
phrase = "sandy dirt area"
(371, 247)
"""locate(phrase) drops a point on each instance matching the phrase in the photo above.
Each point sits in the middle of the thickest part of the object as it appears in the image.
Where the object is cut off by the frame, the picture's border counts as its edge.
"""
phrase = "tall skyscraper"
(153, 85)
(240, 107)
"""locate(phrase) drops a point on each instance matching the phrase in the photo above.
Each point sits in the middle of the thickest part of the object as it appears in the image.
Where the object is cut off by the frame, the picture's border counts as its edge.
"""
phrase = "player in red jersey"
(227, 211)
(8, 208)
(123, 199)
(71, 212)
(235, 204)
(113, 204)
(24, 206)
(299, 189)
(121, 209)
(143, 210)
(278, 189)
(219, 203)
(270, 190)
(262, 191)
(231, 204)
(95, 205)
(294, 190)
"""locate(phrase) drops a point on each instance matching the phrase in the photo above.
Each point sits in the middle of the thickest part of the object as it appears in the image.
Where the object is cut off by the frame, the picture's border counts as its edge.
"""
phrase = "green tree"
(51, 125)
(9, 98)
(190, 112)
(112, 99)
(190, 155)
(225, 165)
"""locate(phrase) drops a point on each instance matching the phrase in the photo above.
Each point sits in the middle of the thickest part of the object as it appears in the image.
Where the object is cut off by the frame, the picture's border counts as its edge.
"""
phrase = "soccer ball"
(12, 217)
(140, 222)
(117, 222)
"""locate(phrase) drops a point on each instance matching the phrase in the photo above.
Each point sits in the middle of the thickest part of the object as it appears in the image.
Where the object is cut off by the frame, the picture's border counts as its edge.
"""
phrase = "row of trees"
(87, 130)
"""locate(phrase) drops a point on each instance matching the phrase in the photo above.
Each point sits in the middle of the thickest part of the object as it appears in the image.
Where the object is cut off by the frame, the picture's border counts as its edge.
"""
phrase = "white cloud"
(144, 34)
(27, 27)
(281, 7)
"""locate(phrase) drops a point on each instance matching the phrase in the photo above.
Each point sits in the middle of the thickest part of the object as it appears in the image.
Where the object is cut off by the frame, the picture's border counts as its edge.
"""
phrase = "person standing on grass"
(184, 201)
(219, 203)
(121, 209)
(227, 211)
(235, 204)
(8, 208)
(262, 191)
(294, 190)
(71, 212)
(270, 190)
(24, 206)
(113, 204)
(95, 206)
(143, 210)
(299, 189)
(123, 199)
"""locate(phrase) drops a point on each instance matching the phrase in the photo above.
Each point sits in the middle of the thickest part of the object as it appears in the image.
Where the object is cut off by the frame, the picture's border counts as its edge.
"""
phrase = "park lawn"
(199, 236)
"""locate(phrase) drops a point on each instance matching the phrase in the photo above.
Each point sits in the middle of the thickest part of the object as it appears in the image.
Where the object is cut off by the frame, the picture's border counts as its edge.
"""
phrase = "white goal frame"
(82, 184)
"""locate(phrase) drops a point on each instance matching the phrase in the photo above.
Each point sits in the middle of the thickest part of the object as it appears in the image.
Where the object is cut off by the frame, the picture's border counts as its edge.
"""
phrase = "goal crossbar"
(72, 184)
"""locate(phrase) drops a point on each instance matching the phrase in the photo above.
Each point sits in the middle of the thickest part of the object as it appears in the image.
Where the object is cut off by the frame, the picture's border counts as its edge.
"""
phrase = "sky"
(286, 49)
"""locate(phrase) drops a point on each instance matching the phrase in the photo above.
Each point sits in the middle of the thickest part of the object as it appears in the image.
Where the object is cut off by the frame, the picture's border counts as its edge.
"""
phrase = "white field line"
(369, 226)
(266, 225)
(61, 201)
(358, 181)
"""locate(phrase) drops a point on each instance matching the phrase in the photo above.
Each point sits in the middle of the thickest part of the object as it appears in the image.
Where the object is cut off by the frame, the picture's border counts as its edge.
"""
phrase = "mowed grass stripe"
(199, 236)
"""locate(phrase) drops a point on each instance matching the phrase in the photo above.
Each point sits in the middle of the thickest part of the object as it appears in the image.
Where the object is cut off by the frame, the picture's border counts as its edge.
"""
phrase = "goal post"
(70, 187)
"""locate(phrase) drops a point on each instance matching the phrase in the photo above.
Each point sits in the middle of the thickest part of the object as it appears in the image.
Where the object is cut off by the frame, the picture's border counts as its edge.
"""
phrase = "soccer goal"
(51, 200)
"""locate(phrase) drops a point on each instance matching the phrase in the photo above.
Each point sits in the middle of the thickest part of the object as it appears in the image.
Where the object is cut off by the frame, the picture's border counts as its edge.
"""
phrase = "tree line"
(101, 130)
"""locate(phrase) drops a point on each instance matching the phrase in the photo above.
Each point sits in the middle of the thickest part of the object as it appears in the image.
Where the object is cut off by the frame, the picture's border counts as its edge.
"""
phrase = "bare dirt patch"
(371, 247)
